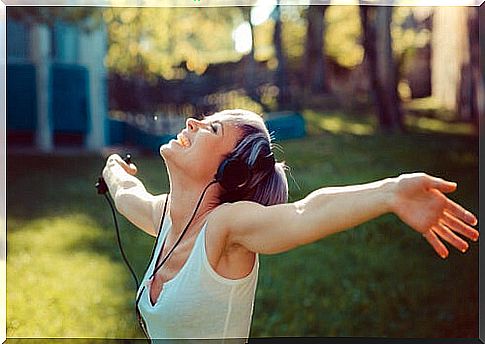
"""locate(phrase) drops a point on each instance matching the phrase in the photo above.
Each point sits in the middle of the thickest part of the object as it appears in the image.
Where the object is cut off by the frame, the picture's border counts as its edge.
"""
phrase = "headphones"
(234, 174)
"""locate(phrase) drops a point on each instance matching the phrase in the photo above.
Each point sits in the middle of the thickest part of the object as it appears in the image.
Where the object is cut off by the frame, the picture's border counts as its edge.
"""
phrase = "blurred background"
(351, 94)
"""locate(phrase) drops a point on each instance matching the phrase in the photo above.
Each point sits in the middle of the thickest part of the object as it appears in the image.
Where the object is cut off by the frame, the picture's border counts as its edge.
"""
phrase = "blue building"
(56, 86)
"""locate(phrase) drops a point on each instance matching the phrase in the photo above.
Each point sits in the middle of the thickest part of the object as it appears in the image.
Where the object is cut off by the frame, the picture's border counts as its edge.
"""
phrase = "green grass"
(66, 278)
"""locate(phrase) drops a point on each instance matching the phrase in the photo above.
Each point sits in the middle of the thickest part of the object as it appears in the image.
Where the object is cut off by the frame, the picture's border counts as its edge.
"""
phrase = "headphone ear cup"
(232, 174)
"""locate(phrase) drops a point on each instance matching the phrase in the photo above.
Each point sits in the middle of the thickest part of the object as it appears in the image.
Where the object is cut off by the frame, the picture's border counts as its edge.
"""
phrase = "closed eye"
(217, 126)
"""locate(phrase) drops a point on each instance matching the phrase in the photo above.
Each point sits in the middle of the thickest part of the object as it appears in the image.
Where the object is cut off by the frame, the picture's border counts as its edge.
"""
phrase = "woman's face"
(201, 146)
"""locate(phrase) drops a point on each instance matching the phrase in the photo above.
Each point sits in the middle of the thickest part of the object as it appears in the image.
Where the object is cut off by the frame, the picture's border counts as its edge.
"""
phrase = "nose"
(192, 124)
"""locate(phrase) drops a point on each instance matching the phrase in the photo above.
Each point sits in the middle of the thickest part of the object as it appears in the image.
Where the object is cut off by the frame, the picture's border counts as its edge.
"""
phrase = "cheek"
(204, 158)
(206, 155)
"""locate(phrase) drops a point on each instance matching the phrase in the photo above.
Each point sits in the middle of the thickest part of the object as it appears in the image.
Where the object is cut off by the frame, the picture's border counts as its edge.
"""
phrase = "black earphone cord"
(181, 235)
(155, 245)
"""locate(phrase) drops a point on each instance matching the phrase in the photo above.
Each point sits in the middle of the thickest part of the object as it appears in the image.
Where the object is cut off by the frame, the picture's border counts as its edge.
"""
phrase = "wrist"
(389, 187)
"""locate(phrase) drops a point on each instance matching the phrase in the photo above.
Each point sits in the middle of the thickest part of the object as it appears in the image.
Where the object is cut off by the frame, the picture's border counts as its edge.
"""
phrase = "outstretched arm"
(417, 199)
(130, 196)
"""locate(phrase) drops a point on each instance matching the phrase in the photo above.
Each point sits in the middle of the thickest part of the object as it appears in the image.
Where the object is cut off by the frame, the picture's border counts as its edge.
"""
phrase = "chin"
(165, 150)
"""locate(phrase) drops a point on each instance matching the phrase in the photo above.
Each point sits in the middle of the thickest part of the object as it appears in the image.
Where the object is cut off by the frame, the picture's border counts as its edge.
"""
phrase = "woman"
(228, 203)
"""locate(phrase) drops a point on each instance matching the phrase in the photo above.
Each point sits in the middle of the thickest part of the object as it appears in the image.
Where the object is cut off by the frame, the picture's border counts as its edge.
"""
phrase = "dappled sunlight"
(437, 125)
(338, 124)
(429, 107)
(54, 285)
(342, 34)
(144, 69)
(234, 99)
(164, 38)
(66, 277)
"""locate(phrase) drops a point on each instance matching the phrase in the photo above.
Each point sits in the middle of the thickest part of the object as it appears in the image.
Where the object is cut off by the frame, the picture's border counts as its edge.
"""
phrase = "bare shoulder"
(227, 215)
(259, 228)
(228, 219)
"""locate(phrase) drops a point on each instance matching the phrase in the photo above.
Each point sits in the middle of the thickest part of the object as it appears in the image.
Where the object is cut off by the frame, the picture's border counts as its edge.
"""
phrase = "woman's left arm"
(417, 199)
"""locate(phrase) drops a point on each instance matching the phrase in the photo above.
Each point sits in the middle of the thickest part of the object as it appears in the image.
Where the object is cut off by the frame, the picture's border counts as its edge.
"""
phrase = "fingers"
(444, 230)
(438, 246)
(460, 212)
(451, 238)
(459, 226)
(452, 207)
(442, 185)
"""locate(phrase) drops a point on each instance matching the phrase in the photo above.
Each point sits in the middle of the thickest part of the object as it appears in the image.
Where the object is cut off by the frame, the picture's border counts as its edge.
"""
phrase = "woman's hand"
(130, 197)
(419, 201)
(130, 169)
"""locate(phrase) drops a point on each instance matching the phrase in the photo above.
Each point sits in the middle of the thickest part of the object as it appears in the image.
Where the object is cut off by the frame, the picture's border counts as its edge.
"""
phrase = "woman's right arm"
(130, 196)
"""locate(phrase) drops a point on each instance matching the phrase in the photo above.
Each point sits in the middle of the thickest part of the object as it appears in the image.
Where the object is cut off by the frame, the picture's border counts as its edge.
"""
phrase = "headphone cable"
(119, 241)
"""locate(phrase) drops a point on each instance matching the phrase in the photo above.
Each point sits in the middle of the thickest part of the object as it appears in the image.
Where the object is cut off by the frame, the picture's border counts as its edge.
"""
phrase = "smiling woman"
(228, 203)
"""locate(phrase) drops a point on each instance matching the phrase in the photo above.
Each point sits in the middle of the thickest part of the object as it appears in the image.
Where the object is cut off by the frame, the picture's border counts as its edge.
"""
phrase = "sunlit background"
(351, 94)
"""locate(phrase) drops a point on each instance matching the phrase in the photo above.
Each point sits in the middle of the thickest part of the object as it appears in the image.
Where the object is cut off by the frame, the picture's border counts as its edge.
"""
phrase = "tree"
(284, 96)
(455, 49)
(250, 83)
(475, 87)
(163, 41)
(391, 117)
(381, 67)
(314, 66)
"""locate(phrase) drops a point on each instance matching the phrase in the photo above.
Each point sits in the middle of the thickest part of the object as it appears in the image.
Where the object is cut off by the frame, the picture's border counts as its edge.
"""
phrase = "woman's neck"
(184, 196)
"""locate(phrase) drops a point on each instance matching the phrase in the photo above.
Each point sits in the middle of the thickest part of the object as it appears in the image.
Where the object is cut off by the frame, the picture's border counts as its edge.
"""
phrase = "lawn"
(66, 278)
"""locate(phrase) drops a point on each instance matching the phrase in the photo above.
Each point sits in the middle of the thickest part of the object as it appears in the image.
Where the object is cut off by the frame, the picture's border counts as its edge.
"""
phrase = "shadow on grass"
(378, 280)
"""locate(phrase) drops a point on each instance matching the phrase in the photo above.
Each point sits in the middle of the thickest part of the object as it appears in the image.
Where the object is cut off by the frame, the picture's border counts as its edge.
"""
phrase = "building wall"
(67, 66)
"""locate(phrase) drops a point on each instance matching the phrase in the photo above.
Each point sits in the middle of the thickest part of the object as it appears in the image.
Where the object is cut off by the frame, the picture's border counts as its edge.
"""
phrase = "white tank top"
(198, 302)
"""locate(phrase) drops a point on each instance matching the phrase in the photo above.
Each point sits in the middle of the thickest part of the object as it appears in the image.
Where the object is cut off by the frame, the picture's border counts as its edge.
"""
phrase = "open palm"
(420, 202)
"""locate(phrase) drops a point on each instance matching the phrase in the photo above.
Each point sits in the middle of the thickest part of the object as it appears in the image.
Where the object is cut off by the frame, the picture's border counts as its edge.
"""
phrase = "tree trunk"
(449, 54)
(386, 72)
(284, 97)
(250, 83)
(380, 66)
(367, 16)
(314, 68)
(481, 71)
(476, 83)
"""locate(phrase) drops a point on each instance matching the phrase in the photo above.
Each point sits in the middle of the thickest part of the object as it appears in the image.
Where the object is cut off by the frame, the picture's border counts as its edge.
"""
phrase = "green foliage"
(66, 277)
(156, 41)
(406, 38)
(343, 35)
(294, 31)
(263, 41)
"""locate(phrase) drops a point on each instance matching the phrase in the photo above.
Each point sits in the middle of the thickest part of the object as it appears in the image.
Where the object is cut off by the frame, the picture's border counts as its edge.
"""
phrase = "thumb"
(133, 169)
(442, 185)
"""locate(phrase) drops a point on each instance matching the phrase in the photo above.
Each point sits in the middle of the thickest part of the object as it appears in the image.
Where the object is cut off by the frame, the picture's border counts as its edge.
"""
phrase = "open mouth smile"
(183, 140)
